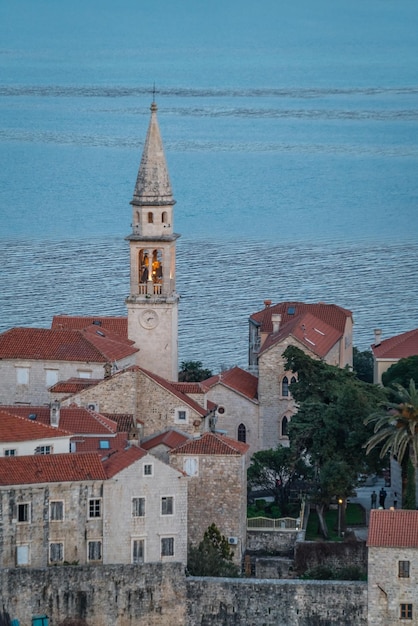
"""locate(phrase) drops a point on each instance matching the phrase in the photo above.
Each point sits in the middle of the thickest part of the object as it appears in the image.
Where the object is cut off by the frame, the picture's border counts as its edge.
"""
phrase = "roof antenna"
(153, 94)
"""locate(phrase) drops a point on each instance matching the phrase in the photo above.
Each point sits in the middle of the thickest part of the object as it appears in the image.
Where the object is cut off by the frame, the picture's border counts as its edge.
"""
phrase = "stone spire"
(153, 187)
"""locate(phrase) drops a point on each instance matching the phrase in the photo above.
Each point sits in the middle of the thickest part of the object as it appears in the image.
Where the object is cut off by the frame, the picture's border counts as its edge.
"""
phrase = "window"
(22, 375)
(43, 450)
(138, 550)
(51, 377)
(22, 555)
(242, 433)
(84, 373)
(138, 507)
(10, 452)
(167, 505)
(23, 513)
(403, 569)
(148, 470)
(94, 550)
(285, 386)
(164, 217)
(191, 466)
(95, 507)
(284, 429)
(104, 444)
(406, 611)
(56, 510)
(56, 552)
(150, 217)
(181, 416)
(167, 546)
(221, 410)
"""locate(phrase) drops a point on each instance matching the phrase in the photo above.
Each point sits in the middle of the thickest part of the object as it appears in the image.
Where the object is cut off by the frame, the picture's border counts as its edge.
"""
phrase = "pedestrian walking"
(382, 497)
(373, 500)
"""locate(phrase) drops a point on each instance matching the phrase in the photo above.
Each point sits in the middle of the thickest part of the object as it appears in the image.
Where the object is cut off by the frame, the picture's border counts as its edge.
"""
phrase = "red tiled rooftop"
(318, 336)
(120, 460)
(90, 344)
(331, 314)
(170, 438)
(92, 444)
(74, 385)
(393, 529)
(50, 468)
(125, 421)
(74, 419)
(399, 347)
(236, 378)
(117, 324)
(16, 428)
(188, 388)
(212, 443)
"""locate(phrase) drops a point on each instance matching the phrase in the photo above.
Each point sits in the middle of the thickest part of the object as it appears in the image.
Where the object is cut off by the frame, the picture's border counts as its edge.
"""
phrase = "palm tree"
(397, 427)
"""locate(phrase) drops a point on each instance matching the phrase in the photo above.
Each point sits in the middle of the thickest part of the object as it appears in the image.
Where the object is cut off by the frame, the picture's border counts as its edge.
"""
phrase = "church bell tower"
(153, 301)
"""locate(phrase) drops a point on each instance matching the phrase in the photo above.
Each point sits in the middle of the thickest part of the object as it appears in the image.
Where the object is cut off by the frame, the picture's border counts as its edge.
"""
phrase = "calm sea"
(291, 135)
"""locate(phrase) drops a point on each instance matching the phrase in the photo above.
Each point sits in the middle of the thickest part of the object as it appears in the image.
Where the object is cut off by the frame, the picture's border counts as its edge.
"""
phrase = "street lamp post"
(340, 501)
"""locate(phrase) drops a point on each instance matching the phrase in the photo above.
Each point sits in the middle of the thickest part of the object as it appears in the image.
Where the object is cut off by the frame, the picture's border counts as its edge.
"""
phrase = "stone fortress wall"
(162, 595)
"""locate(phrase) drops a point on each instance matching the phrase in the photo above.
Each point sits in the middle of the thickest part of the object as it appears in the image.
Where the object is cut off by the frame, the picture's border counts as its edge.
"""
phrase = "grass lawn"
(355, 516)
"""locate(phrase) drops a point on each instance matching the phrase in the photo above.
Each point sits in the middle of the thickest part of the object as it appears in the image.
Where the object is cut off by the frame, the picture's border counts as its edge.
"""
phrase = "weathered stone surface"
(161, 595)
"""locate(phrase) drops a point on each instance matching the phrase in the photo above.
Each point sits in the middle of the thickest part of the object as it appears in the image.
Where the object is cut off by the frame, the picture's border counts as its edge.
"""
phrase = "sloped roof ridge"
(172, 389)
(52, 430)
(392, 343)
(202, 445)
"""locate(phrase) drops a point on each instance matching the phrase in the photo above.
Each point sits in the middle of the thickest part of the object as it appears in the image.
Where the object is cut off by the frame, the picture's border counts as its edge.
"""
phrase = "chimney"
(54, 413)
(377, 336)
(276, 319)
(267, 303)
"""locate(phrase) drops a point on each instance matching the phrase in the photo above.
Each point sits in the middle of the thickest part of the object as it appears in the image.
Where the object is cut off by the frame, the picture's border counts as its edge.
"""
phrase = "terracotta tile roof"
(172, 389)
(399, 347)
(393, 529)
(188, 388)
(74, 385)
(171, 438)
(74, 419)
(92, 444)
(50, 468)
(125, 421)
(212, 444)
(16, 428)
(318, 336)
(121, 459)
(236, 379)
(331, 314)
(117, 324)
(89, 344)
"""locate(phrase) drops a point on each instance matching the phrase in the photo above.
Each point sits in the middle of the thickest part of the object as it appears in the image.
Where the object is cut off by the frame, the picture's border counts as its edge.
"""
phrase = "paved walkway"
(363, 497)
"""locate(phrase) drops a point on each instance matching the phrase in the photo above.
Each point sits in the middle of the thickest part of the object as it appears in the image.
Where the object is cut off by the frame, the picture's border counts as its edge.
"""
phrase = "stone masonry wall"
(271, 542)
(161, 595)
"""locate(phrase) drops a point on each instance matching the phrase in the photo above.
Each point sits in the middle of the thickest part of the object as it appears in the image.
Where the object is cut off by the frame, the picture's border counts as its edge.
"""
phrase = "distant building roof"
(237, 379)
(331, 314)
(173, 388)
(89, 344)
(117, 325)
(170, 438)
(393, 529)
(74, 385)
(16, 428)
(50, 468)
(399, 347)
(212, 444)
(74, 419)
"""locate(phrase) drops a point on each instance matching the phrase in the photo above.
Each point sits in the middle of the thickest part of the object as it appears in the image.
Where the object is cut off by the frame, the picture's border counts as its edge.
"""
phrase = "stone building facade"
(79, 508)
(217, 487)
(393, 567)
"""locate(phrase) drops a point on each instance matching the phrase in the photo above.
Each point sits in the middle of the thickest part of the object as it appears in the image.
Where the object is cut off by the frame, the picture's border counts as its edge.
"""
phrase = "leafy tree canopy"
(277, 472)
(213, 556)
(400, 373)
(329, 426)
(193, 372)
(363, 364)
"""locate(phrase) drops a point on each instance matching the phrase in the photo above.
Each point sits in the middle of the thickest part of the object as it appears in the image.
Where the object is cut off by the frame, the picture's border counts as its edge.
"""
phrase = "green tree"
(396, 427)
(329, 428)
(363, 364)
(400, 373)
(213, 556)
(277, 471)
(193, 372)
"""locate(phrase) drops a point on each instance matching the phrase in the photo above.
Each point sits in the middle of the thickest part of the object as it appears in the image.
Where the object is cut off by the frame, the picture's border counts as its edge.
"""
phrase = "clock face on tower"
(148, 319)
